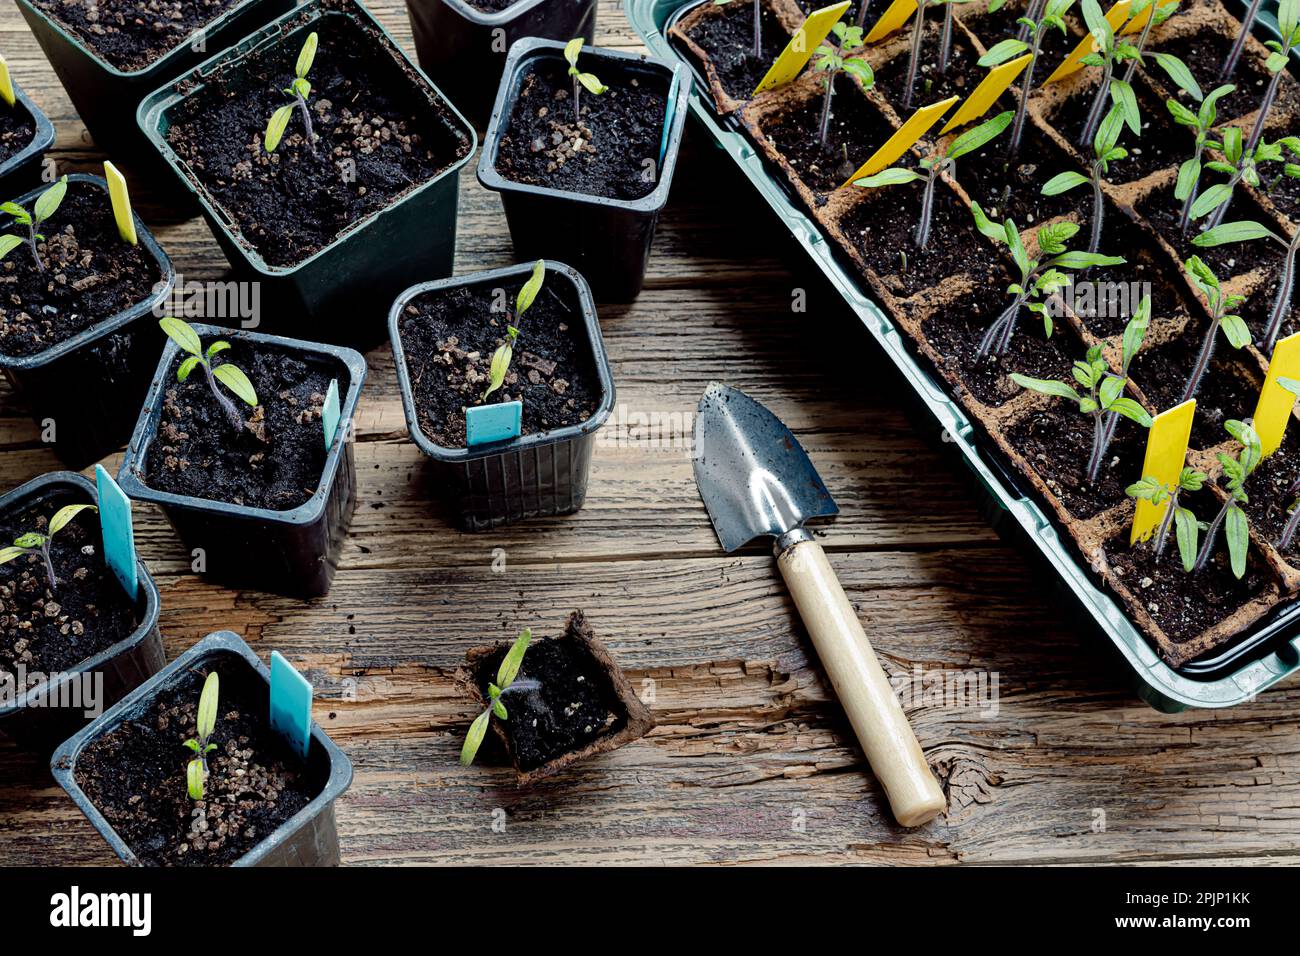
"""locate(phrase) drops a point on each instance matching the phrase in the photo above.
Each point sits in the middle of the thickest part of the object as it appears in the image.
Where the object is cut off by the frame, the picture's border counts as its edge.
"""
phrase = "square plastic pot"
(124, 666)
(22, 171)
(89, 386)
(463, 49)
(291, 552)
(309, 838)
(608, 240)
(106, 97)
(532, 476)
(336, 295)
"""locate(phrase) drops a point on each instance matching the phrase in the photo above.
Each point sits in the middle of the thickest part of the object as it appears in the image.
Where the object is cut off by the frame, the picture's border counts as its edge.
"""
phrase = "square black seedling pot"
(309, 838)
(338, 294)
(22, 171)
(106, 97)
(608, 240)
(463, 48)
(291, 552)
(537, 475)
(90, 385)
(124, 665)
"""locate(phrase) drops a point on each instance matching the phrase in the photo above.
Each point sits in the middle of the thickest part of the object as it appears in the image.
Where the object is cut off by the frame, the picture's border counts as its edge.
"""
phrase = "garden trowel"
(756, 480)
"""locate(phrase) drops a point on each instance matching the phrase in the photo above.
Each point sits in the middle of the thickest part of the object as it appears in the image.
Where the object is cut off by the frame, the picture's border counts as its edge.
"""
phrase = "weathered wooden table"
(752, 760)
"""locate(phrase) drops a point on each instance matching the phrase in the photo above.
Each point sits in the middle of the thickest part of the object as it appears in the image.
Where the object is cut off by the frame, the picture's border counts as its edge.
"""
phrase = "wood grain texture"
(752, 760)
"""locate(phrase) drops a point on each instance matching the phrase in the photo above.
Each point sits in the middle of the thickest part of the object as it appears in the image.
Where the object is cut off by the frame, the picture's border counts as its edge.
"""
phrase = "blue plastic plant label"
(118, 532)
(668, 118)
(330, 413)
(489, 423)
(290, 705)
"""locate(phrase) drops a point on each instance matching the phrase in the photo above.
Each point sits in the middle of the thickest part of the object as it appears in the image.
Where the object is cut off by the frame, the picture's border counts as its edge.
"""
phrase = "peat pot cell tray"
(1271, 495)
(25, 134)
(721, 39)
(265, 503)
(84, 623)
(569, 701)
(1228, 390)
(444, 335)
(462, 44)
(332, 228)
(262, 804)
(84, 318)
(109, 55)
(586, 187)
(959, 79)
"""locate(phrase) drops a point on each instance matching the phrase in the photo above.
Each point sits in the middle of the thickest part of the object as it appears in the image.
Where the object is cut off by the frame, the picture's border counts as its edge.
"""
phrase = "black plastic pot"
(124, 666)
(22, 171)
(532, 476)
(338, 294)
(608, 240)
(463, 48)
(309, 838)
(90, 385)
(106, 97)
(291, 552)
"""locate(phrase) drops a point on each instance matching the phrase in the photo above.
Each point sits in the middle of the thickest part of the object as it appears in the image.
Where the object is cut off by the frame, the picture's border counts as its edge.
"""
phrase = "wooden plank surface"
(751, 761)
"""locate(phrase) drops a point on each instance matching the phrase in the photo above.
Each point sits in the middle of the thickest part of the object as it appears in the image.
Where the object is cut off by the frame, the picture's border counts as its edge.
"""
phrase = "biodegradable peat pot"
(85, 376)
(119, 643)
(462, 45)
(298, 496)
(25, 134)
(136, 750)
(605, 236)
(544, 471)
(545, 732)
(107, 74)
(333, 236)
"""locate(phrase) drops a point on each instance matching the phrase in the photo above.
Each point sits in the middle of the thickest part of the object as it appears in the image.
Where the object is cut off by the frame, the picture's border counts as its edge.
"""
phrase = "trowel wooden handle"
(860, 683)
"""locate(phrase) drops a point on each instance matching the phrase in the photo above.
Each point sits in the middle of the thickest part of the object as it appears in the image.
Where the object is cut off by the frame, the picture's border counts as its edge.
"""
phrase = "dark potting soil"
(561, 701)
(1204, 53)
(1013, 188)
(955, 333)
(1284, 193)
(883, 227)
(962, 76)
(17, 130)
(449, 338)
(1267, 490)
(1163, 143)
(1105, 297)
(132, 34)
(612, 151)
(136, 774)
(1057, 441)
(1233, 259)
(89, 275)
(1258, 307)
(1001, 24)
(728, 40)
(855, 131)
(1227, 390)
(274, 461)
(377, 138)
(53, 629)
(1185, 605)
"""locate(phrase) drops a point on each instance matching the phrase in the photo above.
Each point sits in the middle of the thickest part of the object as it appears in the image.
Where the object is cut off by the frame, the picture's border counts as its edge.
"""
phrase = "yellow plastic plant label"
(899, 12)
(6, 83)
(1273, 411)
(801, 46)
(1115, 16)
(990, 88)
(1139, 21)
(917, 125)
(1166, 454)
(121, 199)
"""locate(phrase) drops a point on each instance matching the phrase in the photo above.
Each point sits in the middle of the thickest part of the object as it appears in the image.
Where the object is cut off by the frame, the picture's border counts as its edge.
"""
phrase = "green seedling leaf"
(1177, 71)
(894, 176)
(986, 226)
(194, 779)
(530, 289)
(1234, 327)
(1187, 530)
(1241, 231)
(1046, 386)
(500, 365)
(1063, 182)
(32, 539)
(499, 709)
(514, 659)
(591, 83)
(8, 243)
(571, 51)
(66, 514)
(474, 739)
(218, 346)
(48, 202)
(973, 139)
(186, 367)
(1126, 103)
(1003, 51)
(1237, 531)
(276, 126)
(1086, 260)
(181, 333)
(234, 379)
(208, 699)
(306, 55)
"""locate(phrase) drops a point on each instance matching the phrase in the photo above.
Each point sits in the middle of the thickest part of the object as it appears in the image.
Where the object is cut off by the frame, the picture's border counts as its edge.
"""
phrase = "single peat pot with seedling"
(64, 611)
(523, 342)
(324, 163)
(25, 134)
(244, 443)
(462, 44)
(582, 146)
(550, 702)
(193, 769)
(77, 334)
(1146, 166)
